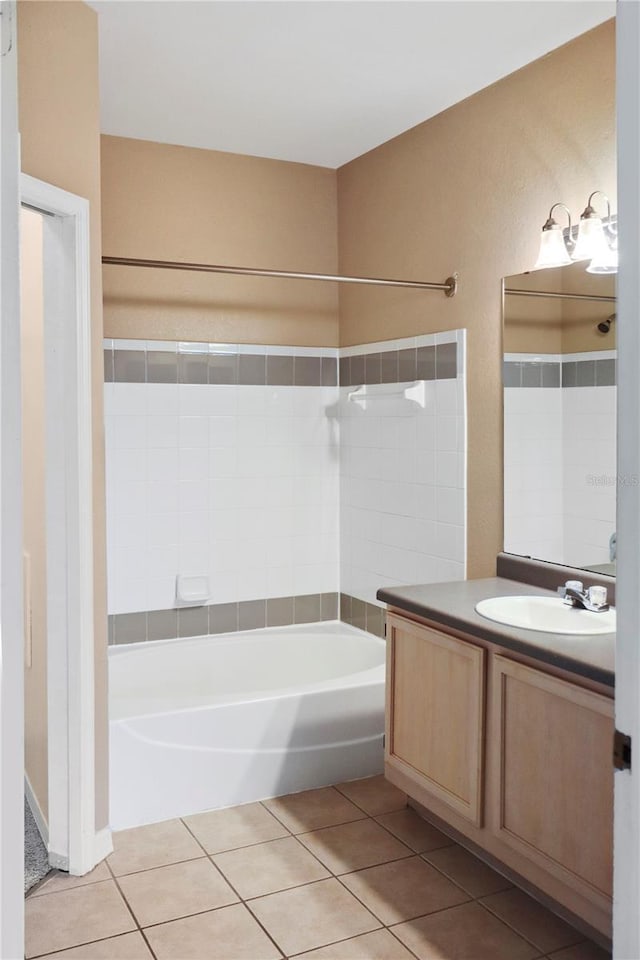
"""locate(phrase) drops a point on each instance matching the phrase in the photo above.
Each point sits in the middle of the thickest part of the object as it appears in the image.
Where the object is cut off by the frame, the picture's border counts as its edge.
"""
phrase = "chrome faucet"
(593, 598)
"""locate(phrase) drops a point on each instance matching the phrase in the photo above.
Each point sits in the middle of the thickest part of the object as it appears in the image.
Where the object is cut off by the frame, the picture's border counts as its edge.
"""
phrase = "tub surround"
(452, 605)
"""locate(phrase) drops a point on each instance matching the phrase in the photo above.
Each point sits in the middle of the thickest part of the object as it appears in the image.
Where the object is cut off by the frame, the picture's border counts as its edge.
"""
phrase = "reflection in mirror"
(559, 417)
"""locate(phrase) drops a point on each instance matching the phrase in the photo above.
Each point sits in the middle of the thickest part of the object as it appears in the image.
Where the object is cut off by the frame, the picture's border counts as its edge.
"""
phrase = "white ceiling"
(314, 82)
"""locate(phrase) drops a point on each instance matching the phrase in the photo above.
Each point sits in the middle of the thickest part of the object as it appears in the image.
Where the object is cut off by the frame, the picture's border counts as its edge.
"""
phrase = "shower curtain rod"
(450, 286)
(558, 296)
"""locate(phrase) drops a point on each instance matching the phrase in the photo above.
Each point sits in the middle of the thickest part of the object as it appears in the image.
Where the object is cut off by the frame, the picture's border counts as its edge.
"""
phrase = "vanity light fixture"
(597, 239)
(554, 248)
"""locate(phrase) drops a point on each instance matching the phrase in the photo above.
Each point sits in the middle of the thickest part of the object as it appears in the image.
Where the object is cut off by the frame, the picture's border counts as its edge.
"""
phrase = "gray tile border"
(569, 373)
(130, 627)
(162, 367)
(193, 368)
(193, 621)
(162, 624)
(550, 374)
(532, 374)
(223, 618)
(279, 371)
(306, 371)
(306, 608)
(329, 371)
(345, 608)
(111, 629)
(223, 368)
(426, 363)
(407, 365)
(329, 606)
(372, 368)
(606, 373)
(586, 373)
(358, 613)
(357, 370)
(446, 361)
(129, 366)
(375, 619)
(344, 371)
(279, 611)
(511, 374)
(389, 367)
(252, 369)
(108, 366)
(252, 614)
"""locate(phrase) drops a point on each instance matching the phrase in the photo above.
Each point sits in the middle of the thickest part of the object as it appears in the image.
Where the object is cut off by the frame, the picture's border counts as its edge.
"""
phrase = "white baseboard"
(36, 810)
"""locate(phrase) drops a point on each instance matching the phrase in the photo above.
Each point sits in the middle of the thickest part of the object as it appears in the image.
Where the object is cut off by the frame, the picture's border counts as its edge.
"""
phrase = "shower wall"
(248, 465)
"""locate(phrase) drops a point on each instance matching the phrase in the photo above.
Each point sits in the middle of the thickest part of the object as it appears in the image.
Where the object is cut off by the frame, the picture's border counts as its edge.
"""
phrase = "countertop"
(453, 605)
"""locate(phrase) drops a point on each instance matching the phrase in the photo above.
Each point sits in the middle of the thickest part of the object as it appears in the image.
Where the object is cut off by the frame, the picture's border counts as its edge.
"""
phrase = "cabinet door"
(436, 711)
(554, 792)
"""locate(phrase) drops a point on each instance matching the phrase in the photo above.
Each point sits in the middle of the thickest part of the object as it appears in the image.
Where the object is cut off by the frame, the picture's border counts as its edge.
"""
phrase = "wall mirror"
(559, 378)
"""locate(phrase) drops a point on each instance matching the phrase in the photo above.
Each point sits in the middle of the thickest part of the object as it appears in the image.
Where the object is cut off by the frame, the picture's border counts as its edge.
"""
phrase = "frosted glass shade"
(553, 249)
(605, 262)
(592, 242)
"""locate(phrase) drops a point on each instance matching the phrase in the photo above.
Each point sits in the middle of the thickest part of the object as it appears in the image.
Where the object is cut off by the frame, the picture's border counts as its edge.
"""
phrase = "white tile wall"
(236, 483)
(403, 482)
(560, 472)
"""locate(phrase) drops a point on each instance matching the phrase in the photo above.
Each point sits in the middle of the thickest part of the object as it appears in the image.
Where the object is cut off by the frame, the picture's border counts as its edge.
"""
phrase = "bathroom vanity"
(505, 736)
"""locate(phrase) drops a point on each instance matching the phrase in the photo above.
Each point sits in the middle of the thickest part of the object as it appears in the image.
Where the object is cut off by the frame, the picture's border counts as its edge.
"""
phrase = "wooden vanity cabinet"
(514, 757)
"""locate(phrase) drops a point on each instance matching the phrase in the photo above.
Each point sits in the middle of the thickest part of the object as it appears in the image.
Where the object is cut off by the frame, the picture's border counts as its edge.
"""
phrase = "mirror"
(560, 417)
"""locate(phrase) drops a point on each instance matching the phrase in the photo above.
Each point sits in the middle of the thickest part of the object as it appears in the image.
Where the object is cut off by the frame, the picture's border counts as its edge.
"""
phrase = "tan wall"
(469, 190)
(164, 202)
(59, 116)
(535, 324)
(33, 466)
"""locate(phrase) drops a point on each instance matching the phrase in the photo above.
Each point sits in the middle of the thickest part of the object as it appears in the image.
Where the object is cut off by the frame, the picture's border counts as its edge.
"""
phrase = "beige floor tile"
(129, 946)
(313, 809)
(468, 932)
(532, 920)
(166, 893)
(154, 845)
(58, 880)
(268, 867)
(403, 889)
(467, 871)
(230, 933)
(379, 945)
(409, 827)
(72, 917)
(353, 846)
(234, 827)
(374, 794)
(312, 916)
(582, 951)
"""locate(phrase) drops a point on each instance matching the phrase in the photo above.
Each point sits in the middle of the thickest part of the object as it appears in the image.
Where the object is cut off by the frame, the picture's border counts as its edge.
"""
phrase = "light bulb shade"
(592, 242)
(553, 249)
(605, 262)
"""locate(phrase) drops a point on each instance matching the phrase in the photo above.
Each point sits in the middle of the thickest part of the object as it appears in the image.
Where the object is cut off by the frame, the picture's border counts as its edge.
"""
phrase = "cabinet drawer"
(436, 708)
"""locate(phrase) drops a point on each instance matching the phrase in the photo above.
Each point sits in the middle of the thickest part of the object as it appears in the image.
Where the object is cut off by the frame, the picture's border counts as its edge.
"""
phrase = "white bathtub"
(214, 721)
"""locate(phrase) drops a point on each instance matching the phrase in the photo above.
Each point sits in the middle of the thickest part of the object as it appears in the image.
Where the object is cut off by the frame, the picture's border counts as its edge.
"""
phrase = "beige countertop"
(453, 605)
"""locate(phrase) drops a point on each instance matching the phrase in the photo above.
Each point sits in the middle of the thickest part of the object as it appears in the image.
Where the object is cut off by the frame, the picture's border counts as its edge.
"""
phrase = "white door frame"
(73, 845)
(626, 859)
(11, 624)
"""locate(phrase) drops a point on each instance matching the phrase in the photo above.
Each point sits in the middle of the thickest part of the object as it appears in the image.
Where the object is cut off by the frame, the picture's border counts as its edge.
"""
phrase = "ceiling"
(313, 82)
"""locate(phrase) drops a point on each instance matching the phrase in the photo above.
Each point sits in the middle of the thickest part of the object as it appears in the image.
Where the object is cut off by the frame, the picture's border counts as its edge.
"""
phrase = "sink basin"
(546, 614)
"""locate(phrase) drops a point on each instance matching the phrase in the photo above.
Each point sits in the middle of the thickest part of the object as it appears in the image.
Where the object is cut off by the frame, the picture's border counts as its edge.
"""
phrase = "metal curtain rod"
(558, 296)
(450, 286)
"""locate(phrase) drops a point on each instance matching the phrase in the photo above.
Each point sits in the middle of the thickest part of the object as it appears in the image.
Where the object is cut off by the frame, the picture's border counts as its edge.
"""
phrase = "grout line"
(77, 886)
(519, 932)
(158, 866)
(130, 909)
(87, 943)
(231, 886)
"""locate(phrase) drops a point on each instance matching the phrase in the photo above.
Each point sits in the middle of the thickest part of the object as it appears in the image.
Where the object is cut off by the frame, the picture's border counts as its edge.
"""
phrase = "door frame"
(73, 843)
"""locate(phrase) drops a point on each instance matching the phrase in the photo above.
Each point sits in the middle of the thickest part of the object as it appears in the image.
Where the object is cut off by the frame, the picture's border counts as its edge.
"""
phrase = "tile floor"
(341, 873)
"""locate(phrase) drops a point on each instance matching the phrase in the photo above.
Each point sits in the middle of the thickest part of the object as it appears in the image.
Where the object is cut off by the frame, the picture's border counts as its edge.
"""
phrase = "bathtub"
(211, 722)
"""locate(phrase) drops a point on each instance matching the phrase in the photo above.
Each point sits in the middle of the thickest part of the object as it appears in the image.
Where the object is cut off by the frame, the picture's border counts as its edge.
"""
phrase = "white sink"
(546, 614)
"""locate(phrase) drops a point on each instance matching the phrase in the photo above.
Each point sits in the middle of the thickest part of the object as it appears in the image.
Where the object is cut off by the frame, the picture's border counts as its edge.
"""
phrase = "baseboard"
(36, 810)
